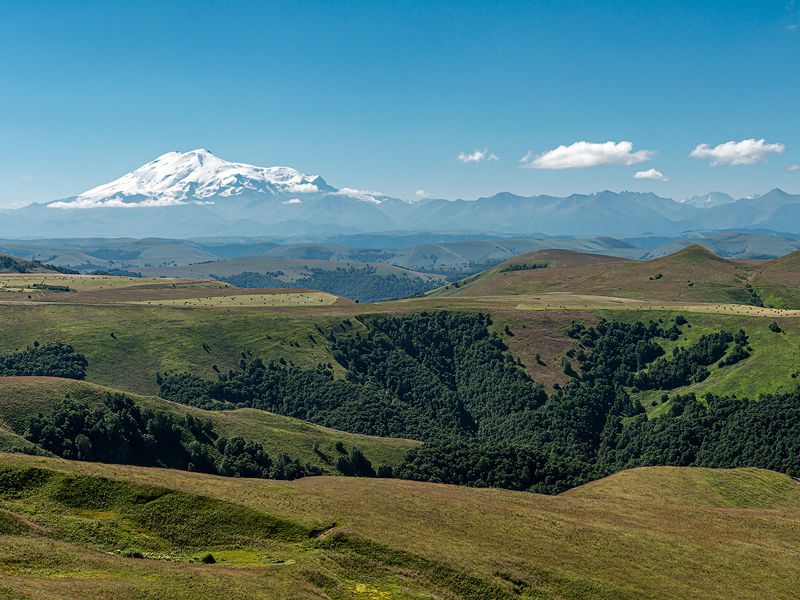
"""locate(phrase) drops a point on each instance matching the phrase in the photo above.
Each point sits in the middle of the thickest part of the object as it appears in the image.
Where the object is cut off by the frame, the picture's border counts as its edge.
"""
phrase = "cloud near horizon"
(743, 152)
(120, 202)
(794, 167)
(477, 156)
(651, 175)
(364, 195)
(582, 155)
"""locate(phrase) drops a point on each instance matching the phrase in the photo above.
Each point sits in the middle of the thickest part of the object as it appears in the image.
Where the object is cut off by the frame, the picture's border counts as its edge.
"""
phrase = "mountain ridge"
(196, 193)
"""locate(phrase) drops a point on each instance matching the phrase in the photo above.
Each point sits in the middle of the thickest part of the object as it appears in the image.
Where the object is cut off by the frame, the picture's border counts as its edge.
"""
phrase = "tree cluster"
(723, 432)
(49, 360)
(523, 267)
(120, 431)
(364, 283)
(687, 365)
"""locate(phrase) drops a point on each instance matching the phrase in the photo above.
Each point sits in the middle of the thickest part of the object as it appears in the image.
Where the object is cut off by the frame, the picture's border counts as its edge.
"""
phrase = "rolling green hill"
(778, 281)
(360, 281)
(14, 264)
(22, 397)
(151, 339)
(693, 274)
(292, 268)
(67, 529)
(127, 341)
(457, 382)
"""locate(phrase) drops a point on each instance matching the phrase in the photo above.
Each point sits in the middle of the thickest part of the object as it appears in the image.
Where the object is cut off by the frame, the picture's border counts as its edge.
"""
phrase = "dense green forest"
(444, 378)
(50, 360)
(364, 284)
(425, 376)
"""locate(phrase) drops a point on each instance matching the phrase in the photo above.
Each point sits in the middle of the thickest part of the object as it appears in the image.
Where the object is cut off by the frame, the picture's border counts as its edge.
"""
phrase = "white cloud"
(292, 201)
(82, 202)
(477, 156)
(744, 152)
(794, 167)
(302, 188)
(364, 195)
(420, 193)
(26, 177)
(581, 155)
(651, 174)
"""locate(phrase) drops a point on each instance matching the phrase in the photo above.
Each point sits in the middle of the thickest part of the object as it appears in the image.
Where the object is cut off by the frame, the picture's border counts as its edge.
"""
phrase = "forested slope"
(445, 379)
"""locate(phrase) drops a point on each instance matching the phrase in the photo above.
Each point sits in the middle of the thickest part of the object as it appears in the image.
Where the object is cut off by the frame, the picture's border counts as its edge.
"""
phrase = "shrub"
(385, 471)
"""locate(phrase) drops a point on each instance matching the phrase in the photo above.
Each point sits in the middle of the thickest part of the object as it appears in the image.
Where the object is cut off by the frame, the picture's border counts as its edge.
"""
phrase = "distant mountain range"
(196, 193)
(437, 253)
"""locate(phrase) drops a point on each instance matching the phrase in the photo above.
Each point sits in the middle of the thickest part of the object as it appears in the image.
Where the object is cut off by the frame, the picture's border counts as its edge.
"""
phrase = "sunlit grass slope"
(647, 533)
(21, 397)
(693, 274)
(773, 365)
(126, 345)
(250, 300)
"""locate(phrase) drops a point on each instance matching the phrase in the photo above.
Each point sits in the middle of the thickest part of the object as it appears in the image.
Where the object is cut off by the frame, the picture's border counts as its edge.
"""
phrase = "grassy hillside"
(717, 534)
(22, 397)
(693, 274)
(363, 281)
(14, 264)
(778, 281)
(293, 268)
(151, 339)
(643, 533)
(772, 366)
(131, 328)
(271, 298)
(58, 287)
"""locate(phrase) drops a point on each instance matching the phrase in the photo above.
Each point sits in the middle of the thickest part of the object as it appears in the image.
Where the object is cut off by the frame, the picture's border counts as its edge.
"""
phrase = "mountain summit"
(709, 200)
(194, 177)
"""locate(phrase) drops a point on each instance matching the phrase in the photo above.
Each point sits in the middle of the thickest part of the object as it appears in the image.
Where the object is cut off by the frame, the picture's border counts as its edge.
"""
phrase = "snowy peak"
(709, 200)
(194, 177)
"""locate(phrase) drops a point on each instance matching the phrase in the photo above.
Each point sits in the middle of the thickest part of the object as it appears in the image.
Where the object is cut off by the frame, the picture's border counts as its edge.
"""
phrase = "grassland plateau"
(72, 528)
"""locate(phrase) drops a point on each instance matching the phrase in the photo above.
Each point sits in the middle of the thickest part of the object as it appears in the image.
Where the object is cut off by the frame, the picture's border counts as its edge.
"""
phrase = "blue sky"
(386, 96)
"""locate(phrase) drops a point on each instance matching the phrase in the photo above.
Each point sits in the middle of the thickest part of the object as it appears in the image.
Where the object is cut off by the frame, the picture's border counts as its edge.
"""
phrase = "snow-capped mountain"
(709, 200)
(193, 194)
(194, 177)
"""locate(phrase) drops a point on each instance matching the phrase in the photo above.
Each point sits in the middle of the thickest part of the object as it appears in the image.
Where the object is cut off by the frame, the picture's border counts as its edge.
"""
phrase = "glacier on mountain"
(194, 177)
